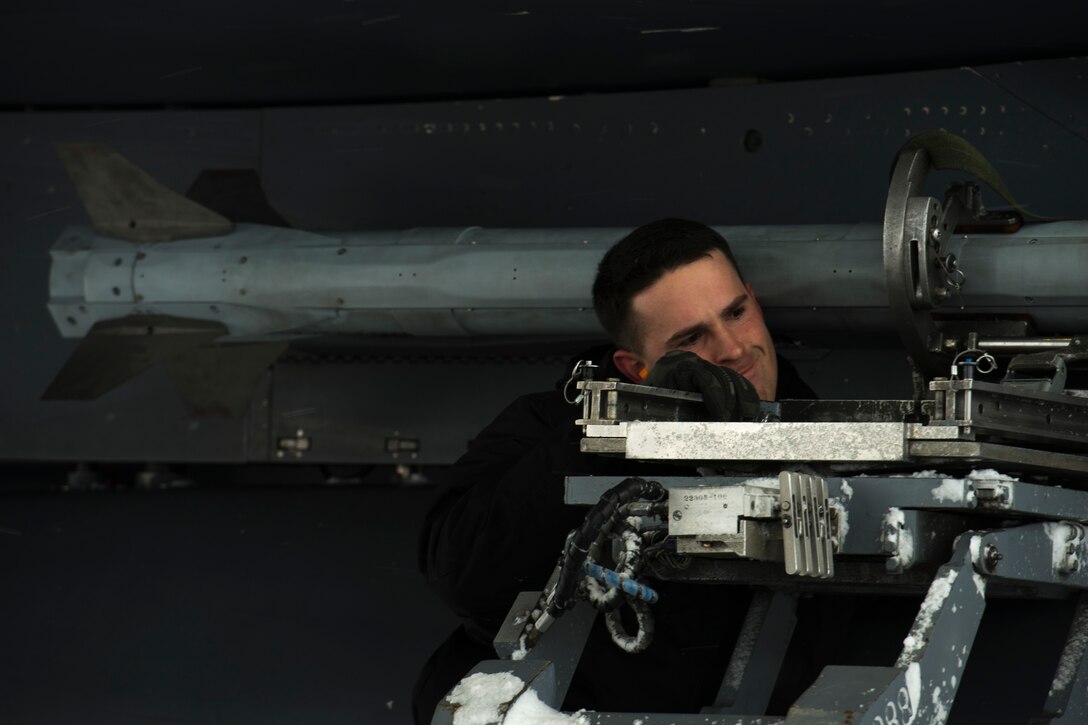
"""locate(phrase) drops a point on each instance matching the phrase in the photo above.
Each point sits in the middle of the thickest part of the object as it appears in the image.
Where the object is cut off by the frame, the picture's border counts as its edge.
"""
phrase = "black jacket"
(498, 529)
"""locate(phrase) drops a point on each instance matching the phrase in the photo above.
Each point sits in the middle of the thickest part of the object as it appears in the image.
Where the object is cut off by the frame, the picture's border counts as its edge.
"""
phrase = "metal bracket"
(806, 525)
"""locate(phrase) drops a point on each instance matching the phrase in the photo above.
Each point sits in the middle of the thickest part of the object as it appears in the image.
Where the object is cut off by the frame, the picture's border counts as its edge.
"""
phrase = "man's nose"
(726, 346)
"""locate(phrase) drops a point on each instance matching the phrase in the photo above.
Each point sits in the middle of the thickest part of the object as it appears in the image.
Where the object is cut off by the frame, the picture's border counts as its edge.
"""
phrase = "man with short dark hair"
(675, 285)
(671, 298)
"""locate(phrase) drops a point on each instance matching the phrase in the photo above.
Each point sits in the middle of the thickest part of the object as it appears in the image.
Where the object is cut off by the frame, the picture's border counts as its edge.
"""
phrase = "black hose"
(599, 516)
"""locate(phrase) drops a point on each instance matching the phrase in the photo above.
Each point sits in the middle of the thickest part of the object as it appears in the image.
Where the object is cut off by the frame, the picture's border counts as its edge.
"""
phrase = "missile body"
(160, 279)
(265, 283)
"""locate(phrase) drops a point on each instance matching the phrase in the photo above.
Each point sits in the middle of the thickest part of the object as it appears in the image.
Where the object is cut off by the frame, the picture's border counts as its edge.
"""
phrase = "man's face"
(705, 308)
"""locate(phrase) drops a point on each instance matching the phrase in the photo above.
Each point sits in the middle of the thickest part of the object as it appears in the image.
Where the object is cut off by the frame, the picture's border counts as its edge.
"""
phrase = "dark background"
(275, 593)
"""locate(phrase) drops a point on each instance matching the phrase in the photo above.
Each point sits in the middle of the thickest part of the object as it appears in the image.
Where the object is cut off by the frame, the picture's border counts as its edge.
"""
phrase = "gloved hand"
(728, 395)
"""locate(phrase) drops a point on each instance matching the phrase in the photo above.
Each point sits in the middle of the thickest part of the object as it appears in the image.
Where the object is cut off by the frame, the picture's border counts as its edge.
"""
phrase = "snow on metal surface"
(989, 474)
(838, 503)
(950, 491)
(914, 688)
(916, 640)
(846, 489)
(980, 583)
(479, 696)
(530, 710)
(900, 537)
(1059, 541)
(940, 710)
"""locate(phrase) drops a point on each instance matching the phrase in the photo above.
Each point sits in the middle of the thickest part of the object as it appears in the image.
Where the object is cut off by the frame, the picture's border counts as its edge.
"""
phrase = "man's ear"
(630, 364)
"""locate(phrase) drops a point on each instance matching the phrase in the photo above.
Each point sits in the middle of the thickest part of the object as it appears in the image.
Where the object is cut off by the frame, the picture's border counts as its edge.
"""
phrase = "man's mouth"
(747, 371)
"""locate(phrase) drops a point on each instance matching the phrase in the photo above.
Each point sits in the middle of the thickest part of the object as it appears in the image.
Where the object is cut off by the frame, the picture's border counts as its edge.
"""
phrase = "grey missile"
(158, 278)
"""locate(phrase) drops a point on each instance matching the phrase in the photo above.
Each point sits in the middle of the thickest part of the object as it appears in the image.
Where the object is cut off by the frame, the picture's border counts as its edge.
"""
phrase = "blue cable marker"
(628, 585)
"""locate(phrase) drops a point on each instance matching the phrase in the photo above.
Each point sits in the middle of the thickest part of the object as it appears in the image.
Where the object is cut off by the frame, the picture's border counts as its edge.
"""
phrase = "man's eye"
(735, 313)
(689, 340)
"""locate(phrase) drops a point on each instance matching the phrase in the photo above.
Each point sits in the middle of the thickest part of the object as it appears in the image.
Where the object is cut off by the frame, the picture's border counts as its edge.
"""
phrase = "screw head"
(677, 515)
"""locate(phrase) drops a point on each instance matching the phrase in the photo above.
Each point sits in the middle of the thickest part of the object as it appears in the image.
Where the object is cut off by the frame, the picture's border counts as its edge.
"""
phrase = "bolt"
(937, 235)
(991, 557)
(677, 515)
(725, 505)
(787, 521)
(785, 505)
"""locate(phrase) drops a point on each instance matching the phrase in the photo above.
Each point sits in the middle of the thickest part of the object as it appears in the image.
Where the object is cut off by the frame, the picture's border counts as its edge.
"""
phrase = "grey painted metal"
(912, 537)
(1005, 411)
(984, 490)
(1043, 553)
(548, 667)
(1027, 459)
(1067, 699)
(562, 646)
(922, 685)
(924, 521)
(508, 639)
(851, 576)
(758, 654)
(587, 490)
(911, 520)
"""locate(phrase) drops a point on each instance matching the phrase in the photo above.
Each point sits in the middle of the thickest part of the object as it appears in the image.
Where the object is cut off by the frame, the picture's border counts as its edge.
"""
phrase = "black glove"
(727, 394)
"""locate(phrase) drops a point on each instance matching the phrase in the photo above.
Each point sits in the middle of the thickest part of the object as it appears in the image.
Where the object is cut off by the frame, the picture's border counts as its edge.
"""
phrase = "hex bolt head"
(991, 557)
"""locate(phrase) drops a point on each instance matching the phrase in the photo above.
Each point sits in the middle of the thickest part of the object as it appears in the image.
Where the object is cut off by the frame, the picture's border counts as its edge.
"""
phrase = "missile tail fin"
(115, 351)
(237, 194)
(125, 202)
(212, 379)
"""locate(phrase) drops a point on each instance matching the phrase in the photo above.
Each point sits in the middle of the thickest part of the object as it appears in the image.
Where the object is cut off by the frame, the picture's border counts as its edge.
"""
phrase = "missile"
(160, 279)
